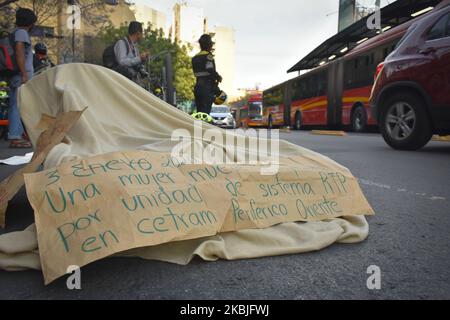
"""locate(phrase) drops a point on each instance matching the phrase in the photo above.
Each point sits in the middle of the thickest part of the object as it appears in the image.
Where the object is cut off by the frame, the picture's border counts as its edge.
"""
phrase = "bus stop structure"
(340, 44)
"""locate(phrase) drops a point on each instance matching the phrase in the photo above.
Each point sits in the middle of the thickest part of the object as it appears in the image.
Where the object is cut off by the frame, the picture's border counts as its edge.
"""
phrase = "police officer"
(207, 77)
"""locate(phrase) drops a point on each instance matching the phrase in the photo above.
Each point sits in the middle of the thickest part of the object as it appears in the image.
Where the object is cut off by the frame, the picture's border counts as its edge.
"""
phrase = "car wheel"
(405, 124)
(298, 121)
(359, 119)
(270, 122)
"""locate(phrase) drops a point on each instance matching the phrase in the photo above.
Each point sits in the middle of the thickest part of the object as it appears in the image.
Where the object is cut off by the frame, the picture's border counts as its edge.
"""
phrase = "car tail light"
(378, 71)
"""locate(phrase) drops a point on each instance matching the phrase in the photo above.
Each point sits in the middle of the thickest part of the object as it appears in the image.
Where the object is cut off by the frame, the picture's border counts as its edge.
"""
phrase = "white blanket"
(122, 116)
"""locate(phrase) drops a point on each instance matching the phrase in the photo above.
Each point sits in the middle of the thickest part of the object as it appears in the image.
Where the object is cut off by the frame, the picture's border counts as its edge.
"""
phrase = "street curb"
(441, 138)
(329, 133)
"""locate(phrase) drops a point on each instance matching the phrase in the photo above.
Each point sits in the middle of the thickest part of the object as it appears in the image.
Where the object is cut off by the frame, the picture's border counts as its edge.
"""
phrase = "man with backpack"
(124, 56)
(21, 73)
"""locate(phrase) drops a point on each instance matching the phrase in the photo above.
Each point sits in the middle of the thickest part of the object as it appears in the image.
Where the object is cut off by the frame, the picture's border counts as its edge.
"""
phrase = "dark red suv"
(411, 96)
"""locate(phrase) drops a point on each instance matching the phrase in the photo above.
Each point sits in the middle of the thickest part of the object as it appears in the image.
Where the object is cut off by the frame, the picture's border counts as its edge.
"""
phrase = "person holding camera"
(130, 62)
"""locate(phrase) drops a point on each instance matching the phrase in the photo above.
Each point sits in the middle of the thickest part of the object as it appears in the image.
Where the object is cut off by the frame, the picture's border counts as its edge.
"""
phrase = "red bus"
(255, 110)
(335, 94)
(249, 110)
(274, 105)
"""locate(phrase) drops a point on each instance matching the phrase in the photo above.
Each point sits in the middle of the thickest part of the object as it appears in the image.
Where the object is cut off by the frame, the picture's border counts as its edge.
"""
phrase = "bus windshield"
(255, 110)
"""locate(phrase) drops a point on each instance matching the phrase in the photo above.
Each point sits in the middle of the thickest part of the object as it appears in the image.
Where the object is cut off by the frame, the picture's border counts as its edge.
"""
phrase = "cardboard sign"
(91, 209)
(55, 132)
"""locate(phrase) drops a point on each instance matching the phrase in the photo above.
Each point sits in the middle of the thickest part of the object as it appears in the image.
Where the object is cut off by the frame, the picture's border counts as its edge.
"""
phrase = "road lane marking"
(400, 190)
(329, 133)
(374, 184)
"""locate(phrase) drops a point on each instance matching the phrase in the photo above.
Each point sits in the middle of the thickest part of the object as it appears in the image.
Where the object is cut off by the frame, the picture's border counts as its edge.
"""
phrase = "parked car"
(222, 117)
(410, 99)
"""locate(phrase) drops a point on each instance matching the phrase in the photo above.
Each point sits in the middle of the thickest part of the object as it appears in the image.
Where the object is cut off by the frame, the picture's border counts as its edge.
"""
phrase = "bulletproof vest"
(201, 63)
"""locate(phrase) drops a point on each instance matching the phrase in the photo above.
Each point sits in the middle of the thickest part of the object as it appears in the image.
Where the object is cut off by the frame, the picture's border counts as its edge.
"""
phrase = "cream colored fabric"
(122, 116)
(18, 251)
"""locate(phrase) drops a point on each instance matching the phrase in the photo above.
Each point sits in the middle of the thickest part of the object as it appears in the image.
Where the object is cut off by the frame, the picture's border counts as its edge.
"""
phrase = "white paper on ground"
(18, 160)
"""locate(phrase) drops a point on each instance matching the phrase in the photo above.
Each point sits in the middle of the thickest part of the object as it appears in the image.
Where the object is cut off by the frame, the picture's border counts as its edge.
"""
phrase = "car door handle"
(427, 50)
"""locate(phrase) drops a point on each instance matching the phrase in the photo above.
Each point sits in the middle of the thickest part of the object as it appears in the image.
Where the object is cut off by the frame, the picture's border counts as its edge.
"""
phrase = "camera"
(142, 71)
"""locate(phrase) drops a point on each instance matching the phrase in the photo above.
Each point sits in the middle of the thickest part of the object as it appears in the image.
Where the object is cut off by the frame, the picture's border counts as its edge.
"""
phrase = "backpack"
(8, 63)
(109, 56)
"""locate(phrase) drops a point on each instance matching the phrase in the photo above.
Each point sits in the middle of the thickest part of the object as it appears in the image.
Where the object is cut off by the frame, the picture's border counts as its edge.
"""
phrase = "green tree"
(94, 13)
(159, 45)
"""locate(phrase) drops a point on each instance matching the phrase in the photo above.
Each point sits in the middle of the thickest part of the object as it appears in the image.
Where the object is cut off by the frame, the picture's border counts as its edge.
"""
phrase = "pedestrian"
(25, 20)
(41, 61)
(206, 74)
(129, 61)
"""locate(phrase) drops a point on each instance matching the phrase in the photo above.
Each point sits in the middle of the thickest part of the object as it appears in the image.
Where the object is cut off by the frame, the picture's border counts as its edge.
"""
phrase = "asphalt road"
(409, 240)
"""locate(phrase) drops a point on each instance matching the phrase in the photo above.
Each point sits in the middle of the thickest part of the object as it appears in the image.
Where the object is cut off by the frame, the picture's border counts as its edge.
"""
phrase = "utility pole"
(169, 75)
(72, 4)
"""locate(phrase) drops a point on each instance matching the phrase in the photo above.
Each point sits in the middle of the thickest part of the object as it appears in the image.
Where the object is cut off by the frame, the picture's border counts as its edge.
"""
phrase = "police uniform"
(207, 81)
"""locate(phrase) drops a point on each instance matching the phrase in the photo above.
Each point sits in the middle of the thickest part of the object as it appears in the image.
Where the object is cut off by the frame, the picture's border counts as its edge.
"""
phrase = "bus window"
(321, 84)
(362, 75)
(296, 89)
(255, 110)
(312, 89)
(243, 114)
(273, 97)
(309, 86)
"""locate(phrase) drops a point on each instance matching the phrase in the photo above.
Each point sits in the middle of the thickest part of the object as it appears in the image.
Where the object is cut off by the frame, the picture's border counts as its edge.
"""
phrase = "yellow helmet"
(202, 117)
(221, 98)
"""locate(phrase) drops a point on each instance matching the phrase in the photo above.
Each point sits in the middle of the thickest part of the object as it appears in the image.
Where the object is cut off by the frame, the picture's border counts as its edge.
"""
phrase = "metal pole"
(73, 34)
(169, 80)
(73, 44)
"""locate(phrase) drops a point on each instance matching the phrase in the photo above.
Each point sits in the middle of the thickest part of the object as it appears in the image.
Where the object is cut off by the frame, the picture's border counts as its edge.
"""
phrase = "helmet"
(40, 48)
(3, 95)
(206, 42)
(221, 98)
(3, 84)
(202, 117)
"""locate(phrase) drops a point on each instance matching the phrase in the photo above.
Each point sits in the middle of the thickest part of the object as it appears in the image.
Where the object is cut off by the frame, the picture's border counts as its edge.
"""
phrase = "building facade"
(225, 53)
(148, 15)
(190, 24)
(351, 11)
